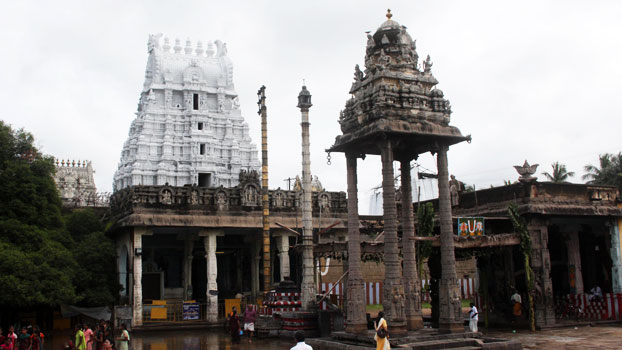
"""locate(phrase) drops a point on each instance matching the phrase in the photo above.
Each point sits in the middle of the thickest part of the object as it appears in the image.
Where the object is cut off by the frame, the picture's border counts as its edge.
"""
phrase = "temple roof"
(395, 97)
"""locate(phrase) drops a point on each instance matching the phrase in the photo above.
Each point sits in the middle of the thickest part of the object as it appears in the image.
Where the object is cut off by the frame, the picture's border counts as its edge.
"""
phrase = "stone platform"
(424, 339)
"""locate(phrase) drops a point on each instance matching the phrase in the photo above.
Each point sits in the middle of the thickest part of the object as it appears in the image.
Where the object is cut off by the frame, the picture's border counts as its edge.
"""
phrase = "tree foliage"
(42, 261)
(520, 227)
(34, 268)
(608, 172)
(560, 174)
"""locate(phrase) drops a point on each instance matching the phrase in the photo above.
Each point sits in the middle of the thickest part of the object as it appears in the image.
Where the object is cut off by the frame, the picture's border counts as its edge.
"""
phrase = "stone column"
(541, 266)
(616, 255)
(574, 259)
(412, 286)
(450, 299)
(356, 321)
(188, 247)
(209, 240)
(308, 289)
(282, 244)
(137, 290)
(393, 289)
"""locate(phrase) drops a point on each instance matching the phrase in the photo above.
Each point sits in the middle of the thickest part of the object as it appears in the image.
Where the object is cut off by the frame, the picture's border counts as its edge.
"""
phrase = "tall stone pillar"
(412, 287)
(615, 231)
(450, 299)
(137, 290)
(541, 266)
(356, 321)
(308, 289)
(393, 289)
(282, 244)
(188, 247)
(574, 259)
(209, 241)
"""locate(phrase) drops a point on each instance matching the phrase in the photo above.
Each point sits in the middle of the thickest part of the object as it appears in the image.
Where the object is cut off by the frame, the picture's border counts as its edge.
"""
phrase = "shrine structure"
(397, 112)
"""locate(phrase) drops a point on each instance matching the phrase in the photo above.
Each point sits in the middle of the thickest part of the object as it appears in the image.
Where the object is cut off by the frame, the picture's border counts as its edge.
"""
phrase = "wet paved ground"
(585, 337)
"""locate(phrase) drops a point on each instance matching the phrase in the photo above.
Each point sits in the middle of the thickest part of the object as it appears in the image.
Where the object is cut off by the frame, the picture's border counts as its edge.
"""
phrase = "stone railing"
(242, 198)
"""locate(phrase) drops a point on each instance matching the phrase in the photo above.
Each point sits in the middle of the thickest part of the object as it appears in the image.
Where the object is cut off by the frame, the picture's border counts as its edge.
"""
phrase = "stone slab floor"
(571, 338)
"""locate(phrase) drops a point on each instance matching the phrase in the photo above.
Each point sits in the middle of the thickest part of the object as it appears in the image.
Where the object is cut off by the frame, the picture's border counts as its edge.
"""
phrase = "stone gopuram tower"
(396, 112)
(188, 128)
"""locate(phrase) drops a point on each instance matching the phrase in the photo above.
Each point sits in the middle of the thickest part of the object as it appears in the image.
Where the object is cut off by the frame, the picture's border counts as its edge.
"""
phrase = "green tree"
(35, 268)
(609, 171)
(560, 174)
(96, 279)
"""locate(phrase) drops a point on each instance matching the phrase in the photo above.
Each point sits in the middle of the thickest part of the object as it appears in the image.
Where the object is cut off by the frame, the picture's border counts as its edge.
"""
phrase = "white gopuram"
(188, 128)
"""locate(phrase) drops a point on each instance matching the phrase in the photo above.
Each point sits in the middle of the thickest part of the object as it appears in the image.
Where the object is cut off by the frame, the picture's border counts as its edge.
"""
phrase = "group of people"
(234, 325)
(29, 338)
(102, 338)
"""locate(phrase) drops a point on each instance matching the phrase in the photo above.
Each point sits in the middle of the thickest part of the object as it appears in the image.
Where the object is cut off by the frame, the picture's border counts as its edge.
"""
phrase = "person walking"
(517, 305)
(234, 326)
(250, 315)
(124, 340)
(80, 343)
(473, 317)
(300, 342)
(382, 333)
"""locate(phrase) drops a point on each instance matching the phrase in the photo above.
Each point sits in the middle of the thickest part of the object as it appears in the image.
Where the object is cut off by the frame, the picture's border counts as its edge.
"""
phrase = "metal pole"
(264, 188)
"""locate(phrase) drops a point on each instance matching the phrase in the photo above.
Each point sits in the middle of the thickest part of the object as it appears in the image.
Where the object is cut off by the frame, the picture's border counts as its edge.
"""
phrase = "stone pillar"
(188, 247)
(574, 259)
(393, 289)
(209, 240)
(450, 299)
(255, 262)
(412, 286)
(137, 290)
(308, 289)
(541, 266)
(356, 321)
(282, 244)
(616, 255)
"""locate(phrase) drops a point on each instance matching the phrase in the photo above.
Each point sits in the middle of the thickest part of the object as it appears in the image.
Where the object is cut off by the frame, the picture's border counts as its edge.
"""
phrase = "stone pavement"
(571, 338)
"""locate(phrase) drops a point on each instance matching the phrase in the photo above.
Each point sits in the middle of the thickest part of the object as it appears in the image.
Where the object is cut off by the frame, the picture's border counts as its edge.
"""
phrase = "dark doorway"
(195, 101)
(205, 179)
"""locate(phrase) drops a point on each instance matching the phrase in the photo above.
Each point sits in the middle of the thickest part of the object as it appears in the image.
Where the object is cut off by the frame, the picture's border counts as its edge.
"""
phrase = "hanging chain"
(328, 159)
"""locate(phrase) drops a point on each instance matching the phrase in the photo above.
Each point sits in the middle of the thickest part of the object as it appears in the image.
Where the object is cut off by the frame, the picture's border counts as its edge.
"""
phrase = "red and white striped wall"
(373, 291)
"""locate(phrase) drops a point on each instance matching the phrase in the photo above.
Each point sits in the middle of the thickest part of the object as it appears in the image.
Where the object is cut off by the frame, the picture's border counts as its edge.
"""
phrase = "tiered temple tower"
(75, 183)
(396, 112)
(188, 128)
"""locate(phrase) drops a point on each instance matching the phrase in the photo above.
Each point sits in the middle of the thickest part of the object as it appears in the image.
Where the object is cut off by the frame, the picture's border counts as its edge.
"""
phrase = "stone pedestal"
(209, 241)
(355, 287)
(450, 298)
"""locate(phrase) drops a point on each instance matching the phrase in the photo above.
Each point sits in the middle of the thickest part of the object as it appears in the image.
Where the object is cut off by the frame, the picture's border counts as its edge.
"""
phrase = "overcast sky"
(535, 80)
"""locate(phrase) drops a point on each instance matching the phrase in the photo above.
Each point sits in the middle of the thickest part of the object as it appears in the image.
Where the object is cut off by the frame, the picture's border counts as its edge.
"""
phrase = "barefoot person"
(473, 317)
(250, 315)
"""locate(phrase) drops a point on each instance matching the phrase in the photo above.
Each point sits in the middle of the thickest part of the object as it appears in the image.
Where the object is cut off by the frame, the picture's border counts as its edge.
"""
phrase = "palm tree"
(560, 174)
(609, 172)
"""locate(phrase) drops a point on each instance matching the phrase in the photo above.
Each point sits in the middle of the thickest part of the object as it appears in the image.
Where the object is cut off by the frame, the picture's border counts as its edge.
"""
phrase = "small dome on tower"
(388, 31)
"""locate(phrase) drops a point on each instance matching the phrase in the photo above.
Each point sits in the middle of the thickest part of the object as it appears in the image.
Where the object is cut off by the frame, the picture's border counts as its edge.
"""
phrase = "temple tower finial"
(389, 14)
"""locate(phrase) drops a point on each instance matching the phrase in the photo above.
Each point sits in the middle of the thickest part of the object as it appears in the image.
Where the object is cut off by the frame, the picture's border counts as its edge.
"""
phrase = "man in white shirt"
(473, 317)
(300, 339)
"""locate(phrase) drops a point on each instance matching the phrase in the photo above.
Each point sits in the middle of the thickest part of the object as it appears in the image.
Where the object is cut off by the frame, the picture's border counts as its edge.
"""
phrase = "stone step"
(463, 343)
